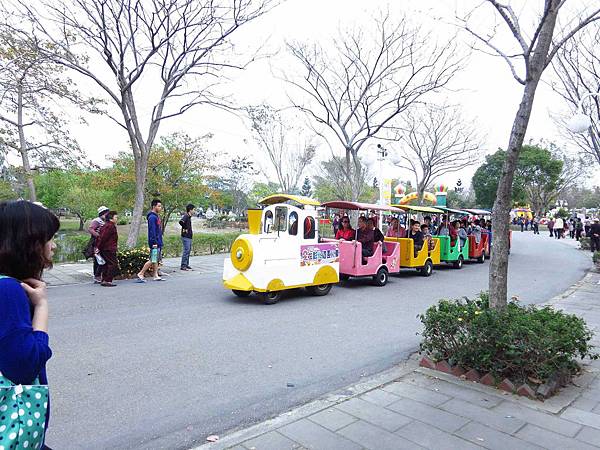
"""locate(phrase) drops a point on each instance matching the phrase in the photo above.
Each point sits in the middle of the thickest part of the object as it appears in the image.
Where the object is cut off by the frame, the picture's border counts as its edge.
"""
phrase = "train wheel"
(320, 290)
(459, 263)
(344, 277)
(427, 269)
(481, 259)
(381, 278)
(241, 294)
(270, 298)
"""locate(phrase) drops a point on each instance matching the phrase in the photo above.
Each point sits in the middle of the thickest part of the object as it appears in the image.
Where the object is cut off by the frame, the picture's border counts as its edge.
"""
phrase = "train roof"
(425, 209)
(342, 204)
(462, 212)
(282, 198)
(479, 212)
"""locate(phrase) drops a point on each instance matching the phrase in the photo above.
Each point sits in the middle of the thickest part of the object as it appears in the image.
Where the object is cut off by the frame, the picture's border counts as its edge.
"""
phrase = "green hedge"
(70, 247)
(202, 244)
(518, 342)
(585, 243)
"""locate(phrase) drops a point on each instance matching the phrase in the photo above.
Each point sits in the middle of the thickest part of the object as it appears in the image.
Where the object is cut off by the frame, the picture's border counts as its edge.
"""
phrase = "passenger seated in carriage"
(427, 237)
(416, 235)
(365, 236)
(395, 230)
(453, 232)
(345, 232)
(476, 231)
(461, 232)
(377, 234)
(444, 228)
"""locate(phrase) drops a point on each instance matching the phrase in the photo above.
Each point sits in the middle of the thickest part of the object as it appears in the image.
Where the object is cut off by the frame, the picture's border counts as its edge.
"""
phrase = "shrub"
(518, 342)
(596, 257)
(584, 243)
(132, 260)
(202, 244)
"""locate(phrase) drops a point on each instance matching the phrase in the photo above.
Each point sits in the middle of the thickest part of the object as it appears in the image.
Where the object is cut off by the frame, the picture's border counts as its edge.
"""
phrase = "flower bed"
(522, 345)
(132, 260)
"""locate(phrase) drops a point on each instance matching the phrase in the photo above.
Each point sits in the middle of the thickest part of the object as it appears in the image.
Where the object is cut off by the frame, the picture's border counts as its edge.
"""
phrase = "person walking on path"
(107, 246)
(94, 229)
(595, 236)
(571, 226)
(578, 228)
(587, 226)
(155, 242)
(558, 228)
(551, 227)
(535, 225)
(26, 249)
(186, 236)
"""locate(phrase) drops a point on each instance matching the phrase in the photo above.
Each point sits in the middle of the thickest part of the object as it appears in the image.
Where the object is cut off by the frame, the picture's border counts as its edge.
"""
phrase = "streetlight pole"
(581, 122)
(381, 155)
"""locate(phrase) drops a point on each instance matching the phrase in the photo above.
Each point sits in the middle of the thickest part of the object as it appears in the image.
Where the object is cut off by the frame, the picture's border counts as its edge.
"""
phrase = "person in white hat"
(94, 230)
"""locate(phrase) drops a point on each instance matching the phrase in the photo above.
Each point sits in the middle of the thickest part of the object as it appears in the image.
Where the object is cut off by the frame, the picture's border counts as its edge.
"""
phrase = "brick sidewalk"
(80, 273)
(411, 407)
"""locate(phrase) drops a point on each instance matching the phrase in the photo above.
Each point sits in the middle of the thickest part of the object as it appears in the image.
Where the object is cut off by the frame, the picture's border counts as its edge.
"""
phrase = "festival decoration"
(399, 190)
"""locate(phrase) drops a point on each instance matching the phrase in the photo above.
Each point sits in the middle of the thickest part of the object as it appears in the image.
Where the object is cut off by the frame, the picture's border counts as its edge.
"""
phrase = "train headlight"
(241, 254)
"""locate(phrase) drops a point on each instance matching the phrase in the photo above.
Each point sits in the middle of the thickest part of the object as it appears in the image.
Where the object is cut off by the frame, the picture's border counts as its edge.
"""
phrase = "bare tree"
(32, 88)
(531, 53)
(169, 55)
(545, 171)
(436, 141)
(368, 79)
(577, 65)
(287, 146)
(332, 181)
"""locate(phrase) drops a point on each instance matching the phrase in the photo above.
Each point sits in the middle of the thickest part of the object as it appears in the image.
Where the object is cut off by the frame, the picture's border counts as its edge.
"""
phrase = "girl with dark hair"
(26, 249)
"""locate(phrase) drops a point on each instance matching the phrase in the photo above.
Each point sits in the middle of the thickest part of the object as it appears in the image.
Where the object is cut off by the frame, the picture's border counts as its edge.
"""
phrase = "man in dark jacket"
(595, 236)
(365, 236)
(186, 236)
(155, 242)
(107, 246)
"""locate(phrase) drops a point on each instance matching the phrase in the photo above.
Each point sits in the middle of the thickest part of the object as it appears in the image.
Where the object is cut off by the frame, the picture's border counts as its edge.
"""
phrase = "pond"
(69, 246)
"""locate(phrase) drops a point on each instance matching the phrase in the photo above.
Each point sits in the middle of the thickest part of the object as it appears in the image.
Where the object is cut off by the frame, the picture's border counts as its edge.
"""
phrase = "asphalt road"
(163, 365)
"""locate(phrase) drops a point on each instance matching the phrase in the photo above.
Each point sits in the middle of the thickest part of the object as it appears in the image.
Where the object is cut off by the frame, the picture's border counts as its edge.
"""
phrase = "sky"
(485, 89)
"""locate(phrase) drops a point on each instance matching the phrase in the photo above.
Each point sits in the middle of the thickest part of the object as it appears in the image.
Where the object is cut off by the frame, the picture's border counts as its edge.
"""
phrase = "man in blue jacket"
(155, 242)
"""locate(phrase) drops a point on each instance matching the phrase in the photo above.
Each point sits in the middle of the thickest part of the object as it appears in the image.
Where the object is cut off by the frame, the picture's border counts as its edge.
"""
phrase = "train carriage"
(385, 258)
(425, 259)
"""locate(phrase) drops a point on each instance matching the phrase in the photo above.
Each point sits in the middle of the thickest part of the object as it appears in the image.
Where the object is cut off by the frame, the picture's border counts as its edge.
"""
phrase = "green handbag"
(23, 412)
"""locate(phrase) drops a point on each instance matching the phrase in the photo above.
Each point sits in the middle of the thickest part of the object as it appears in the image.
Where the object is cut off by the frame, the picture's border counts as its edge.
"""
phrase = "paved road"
(163, 365)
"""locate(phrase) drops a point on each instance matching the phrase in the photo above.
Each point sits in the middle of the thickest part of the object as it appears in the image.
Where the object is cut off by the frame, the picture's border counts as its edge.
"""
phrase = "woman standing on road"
(26, 249)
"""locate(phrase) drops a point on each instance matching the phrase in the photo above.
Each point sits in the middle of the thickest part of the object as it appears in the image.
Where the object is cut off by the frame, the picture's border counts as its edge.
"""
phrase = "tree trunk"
(81, 222)
(141, 153)
(141, 166)
(420, 192)
(350, 178)
(498, 275)
(23, 146)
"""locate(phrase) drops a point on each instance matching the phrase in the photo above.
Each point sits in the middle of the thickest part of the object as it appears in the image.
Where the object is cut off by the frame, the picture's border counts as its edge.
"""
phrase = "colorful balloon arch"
(428, 196)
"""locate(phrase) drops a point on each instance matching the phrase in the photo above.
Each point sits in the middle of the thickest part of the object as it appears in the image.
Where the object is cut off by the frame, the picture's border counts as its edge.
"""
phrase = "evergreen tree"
(306, 188)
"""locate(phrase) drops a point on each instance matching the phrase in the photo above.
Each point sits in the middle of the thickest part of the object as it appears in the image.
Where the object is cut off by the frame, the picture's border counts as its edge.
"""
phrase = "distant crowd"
(559, 228)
